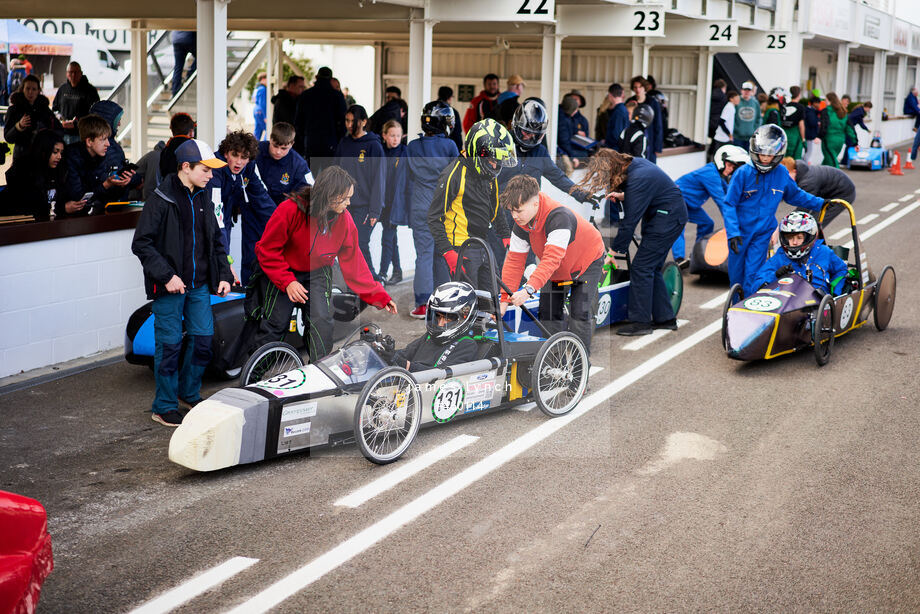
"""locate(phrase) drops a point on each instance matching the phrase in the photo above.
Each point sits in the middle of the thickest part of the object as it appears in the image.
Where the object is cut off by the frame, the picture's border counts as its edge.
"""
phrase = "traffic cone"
(896, 167)
(908, 165)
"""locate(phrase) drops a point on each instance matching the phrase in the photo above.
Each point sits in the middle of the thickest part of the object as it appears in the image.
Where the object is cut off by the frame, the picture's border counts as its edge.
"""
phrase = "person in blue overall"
(283, 170)
(361, 154)
(710, 181)
(237, 189)
(260, 105)
(804, 254)
(395, 199)
(428, 155)
(753, 196)
(646, 195)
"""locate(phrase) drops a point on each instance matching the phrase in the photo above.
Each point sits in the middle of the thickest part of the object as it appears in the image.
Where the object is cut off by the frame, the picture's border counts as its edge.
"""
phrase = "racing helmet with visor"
(528, 126)
(437, 118)
(798, 222)
(769, 141)
(451, 311)
(730, 153)
(490, 146)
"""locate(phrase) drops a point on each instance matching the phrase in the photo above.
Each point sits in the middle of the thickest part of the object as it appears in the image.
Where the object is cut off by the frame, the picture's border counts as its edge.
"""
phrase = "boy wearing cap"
(178, 243)
(747, 116)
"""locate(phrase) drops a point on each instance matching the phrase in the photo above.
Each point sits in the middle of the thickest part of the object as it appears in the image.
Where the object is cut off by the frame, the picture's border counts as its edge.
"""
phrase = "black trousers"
(582, 296)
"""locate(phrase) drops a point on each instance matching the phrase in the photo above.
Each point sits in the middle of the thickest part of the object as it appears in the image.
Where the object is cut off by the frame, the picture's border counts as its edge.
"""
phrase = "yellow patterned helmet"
(490, 146)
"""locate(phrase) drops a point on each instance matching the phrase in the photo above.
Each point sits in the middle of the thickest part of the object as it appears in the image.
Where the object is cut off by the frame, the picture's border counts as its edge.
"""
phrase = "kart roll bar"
(862, 264)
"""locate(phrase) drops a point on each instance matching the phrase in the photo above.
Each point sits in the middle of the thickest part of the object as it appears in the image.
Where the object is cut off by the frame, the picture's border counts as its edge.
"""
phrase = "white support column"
(379, 59)
(901, 87)
(275, 73)
(878, 89)
(420, 30)
(703, 95)
(640, 48)
(549, 83)
(212, 70)
(138, 89)
(843, 69)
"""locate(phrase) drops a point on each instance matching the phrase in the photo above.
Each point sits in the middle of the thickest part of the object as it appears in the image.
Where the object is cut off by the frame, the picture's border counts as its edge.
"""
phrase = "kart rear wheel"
(734, 295)
(387, 415)
(823, 332)
(883, 300)
(559, 375)
(674, 282)
(268, 361)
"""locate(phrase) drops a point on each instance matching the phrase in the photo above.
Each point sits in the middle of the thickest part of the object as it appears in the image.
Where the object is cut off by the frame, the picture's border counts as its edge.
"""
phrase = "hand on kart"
(175, 285)
(595, 201)
(296, 292)
(519, 298)
(735, 244)
(391, 307)
(451, 259)
(616, 195)
(223, 288)
(783, 271)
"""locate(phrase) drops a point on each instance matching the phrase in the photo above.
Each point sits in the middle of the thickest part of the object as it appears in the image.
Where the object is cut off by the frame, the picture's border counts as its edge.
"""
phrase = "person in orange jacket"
(571, 253)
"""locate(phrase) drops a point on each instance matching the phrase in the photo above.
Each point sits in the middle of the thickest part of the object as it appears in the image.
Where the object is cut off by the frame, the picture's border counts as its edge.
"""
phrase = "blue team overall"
(697, 187)
(750, 213)
(823, 269)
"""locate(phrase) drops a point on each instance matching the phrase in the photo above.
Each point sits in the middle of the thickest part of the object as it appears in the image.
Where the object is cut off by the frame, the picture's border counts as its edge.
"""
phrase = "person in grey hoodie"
(824, 182)
(747, 116)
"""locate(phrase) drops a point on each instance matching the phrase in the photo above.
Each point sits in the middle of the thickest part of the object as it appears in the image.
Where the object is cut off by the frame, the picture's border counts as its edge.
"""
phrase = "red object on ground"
(908, 165)
(896, 167)
(25, 552)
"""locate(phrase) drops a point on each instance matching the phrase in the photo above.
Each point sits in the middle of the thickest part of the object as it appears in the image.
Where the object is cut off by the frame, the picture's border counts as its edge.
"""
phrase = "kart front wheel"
(823, 333)
(268, 361)
(559, 375)
(734, 295)
(387, 415)
(883, 301)
(674, 282)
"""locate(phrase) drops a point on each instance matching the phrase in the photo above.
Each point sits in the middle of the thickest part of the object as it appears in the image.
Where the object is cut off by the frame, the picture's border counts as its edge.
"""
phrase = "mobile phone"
(87, 197)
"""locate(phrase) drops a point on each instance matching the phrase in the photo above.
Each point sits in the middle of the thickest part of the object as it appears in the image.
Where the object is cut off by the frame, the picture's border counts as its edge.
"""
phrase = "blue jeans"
(423, 280)
(389, 250)
(181, 48)
(169, 311)
(915, 146)
(259, 120)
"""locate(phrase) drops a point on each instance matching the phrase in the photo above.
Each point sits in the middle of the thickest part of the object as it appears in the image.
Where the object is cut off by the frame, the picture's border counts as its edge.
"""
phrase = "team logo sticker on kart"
(447, 400)
(762, 303)
(785, 281)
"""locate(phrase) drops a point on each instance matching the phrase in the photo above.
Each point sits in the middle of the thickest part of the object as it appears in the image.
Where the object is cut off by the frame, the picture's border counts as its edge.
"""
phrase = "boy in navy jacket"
(88, 170)
(283, 170)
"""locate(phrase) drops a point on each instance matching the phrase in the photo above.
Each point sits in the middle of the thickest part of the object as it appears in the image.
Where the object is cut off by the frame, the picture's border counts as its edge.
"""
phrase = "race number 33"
(647, 20)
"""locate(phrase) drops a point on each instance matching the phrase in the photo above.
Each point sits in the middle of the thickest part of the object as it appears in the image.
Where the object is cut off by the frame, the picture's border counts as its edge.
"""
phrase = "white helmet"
(730, 153)
(794, 223)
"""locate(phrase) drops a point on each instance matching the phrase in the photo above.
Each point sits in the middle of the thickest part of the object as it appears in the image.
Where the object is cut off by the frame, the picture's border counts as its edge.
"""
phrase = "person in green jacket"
(832, 130)
(747, 116)
(776, 107)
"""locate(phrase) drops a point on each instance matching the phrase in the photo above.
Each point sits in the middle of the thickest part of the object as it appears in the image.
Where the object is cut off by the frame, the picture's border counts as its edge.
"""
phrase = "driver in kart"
(447, 342)
(805, 254)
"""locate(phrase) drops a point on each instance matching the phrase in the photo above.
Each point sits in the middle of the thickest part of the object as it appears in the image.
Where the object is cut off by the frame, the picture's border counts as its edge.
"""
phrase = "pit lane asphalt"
(706, 485)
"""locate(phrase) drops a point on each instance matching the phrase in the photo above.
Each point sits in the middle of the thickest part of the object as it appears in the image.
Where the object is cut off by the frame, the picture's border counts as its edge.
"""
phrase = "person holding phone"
(178, 242)
(88, 173)
(29, 112)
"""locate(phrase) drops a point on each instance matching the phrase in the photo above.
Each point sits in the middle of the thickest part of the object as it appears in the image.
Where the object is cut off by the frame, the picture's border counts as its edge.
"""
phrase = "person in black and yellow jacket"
(465, 203)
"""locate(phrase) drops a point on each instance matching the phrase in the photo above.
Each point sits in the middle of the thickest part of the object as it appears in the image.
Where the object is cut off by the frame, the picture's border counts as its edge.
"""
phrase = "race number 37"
(647, 21)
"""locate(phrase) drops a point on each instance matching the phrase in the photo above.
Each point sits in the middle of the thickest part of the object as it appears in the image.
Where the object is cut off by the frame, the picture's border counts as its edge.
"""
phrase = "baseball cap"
(515, 80)
(747, 85)
(194, 150)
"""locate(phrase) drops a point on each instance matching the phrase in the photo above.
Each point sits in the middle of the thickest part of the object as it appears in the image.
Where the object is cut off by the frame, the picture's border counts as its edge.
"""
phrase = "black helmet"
(768, 140)
(437, 118)
(644, 114)
(528, 126)
(777, 95)
(455, 301)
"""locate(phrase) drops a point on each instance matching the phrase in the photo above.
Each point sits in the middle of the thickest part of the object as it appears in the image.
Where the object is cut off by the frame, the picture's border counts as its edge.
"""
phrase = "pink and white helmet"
(794, 223)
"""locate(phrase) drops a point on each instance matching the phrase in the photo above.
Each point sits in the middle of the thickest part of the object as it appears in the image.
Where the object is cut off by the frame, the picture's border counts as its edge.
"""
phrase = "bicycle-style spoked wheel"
(560, 374)
(268, 361)
(387, 415)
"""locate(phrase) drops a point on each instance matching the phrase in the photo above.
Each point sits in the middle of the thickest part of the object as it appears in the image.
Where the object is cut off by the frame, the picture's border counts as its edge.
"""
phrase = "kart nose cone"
(748, 334)
(209, 437)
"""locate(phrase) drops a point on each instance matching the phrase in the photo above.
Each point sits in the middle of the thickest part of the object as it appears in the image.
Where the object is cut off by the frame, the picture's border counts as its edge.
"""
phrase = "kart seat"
(842, 252)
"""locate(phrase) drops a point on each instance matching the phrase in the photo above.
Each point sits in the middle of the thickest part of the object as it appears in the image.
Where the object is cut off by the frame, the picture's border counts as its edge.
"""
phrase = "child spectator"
(282, 169)
(634, 139)
(178, 243)
(361, 155)
(88, 172)
(115, 157)
(34, 183)
(394, 199)
(726, 125)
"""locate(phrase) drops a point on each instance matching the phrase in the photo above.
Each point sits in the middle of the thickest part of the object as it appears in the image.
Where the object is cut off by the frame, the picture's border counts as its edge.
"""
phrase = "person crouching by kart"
(465, 203)
(448, 320)
(571, 253)
(710, 181)
(751, 201)
(825, 182)
(302, 239)
(805, 254)
(648, 195)
(178, 242)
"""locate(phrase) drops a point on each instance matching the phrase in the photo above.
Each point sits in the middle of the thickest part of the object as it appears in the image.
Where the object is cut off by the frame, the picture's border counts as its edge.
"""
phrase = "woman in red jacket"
(571, 253)
(302, 239)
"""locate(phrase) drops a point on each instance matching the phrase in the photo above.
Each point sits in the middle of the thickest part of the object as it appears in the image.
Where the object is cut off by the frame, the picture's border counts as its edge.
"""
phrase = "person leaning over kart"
(302, 239)
(824, 182)
(805, 254)
(178, 242)
(648, 195)
(753, 196)
(570, 250)
(465, 203)
(448, 320)
(710, 181)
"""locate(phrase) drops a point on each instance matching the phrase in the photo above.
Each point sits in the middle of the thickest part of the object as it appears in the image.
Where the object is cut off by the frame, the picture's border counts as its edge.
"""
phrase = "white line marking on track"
(884, 224)
(645, 340)
(594, 371)
(404, 472)
(840, 234)
(715, 302)
(866, 219)
(317, 568)
(889, 207)
(194, 587)
(906, 197)
(917, 191)
(528, 406)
